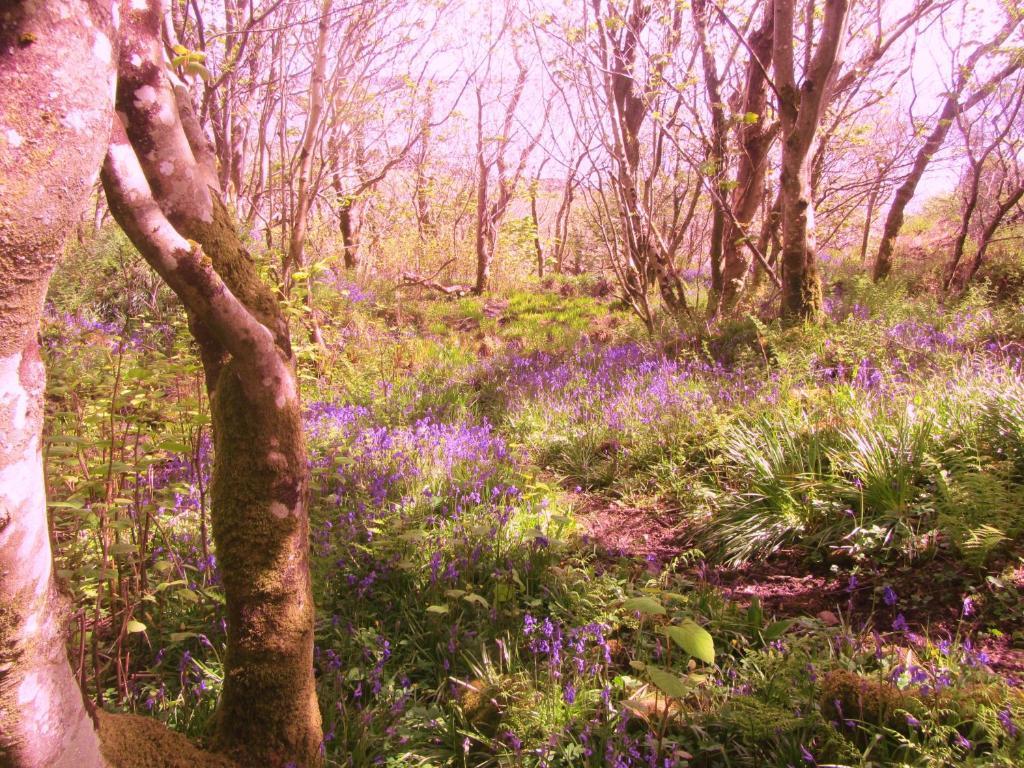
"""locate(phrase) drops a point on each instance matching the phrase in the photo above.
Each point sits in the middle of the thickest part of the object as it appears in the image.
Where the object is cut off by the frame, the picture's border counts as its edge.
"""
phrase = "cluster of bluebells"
(352, 291)
(568, 653)
(865, 375)
(622, 388)
(65, 329)
(178, 486)
(571, 658)
(429, 475)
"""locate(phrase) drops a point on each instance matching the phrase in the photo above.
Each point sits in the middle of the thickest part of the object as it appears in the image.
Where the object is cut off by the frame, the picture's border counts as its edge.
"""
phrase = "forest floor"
(543, 537)
(788, 587)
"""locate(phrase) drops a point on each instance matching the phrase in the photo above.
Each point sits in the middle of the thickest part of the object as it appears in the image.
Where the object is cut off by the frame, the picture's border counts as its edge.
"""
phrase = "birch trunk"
(56, 81)
(951, 107)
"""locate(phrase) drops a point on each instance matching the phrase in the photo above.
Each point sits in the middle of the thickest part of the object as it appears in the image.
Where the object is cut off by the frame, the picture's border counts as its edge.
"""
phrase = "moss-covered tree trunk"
(56, 79)
(162, 188)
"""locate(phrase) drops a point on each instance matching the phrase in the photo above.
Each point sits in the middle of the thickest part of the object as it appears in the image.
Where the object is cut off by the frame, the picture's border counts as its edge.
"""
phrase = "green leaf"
(503, 592)
(480, 600)
(438, 609)
(693, 639)
(755, 615)
(71, 504)
(776, 630)
(666, 682)
(645, 605)
(195, 68)
(135, 626)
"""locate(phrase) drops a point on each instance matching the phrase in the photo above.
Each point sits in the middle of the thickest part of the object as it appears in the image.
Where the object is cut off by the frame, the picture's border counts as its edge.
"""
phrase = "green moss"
(268, 713)
(261, 461)
(479, 702)
(131, 741)
(222, 245)
(847, 695)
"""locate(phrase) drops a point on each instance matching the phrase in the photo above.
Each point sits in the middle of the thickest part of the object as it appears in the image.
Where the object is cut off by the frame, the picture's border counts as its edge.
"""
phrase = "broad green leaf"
(646, 605)
(776, 630)
(503, 592)
(135, 626)
(693, 639)
(195, 68)
(439, 609)
(667, 683)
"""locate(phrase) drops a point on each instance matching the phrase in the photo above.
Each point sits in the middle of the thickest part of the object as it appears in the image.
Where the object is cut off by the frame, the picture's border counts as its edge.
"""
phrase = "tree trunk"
(869, 220)
(304, 194)
(348, 235)
(535, 220)
(483, 258)
(716, 151)
(56, 77)
(987, 234)
(894, 218)
(753, 165)
(268, 714)
(950, 108)
(800, 111)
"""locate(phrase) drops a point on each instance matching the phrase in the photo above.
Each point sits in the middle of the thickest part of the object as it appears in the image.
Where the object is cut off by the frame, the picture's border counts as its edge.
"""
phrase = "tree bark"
(56, 77)
(538, 249)
(989, 232)
(304, 195)
(754, 141)
(716, 151)
(950, 108)
(160, 194)
(800, 111)
(482, 236)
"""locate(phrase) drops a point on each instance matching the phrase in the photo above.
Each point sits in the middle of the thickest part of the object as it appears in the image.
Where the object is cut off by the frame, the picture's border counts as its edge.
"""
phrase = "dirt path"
(929, 595)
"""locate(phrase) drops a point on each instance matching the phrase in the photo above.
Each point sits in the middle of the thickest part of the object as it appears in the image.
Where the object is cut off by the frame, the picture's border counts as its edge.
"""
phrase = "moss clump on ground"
(133, 741)
(481, 705)
(849, 695)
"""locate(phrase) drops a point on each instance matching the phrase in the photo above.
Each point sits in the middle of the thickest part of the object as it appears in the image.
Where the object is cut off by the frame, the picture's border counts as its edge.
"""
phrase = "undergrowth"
(464, 617)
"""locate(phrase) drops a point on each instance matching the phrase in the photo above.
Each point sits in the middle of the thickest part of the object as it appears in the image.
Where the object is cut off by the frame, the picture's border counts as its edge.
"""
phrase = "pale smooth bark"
(716, 150)
(646, 252)
(491, 209)
(303, 196)
(56, 80)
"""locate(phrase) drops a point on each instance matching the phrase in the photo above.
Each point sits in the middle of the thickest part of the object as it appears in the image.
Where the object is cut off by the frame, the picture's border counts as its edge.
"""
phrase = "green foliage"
(463, 620)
